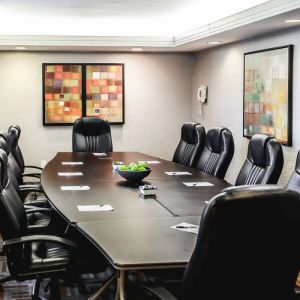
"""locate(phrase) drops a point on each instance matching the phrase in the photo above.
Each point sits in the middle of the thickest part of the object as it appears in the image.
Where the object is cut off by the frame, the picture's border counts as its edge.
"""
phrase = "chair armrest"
(39, 238)
(27, 188)
(39, 202)
(34, 167)
(37, 229)
(31, 210)
(35, 175)
(27, 207)
(159, 292)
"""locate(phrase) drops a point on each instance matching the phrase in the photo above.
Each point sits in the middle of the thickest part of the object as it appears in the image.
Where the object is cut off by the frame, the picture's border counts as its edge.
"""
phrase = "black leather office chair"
(91, 134)
(32, 255)
(218, 152)
(191, 144)
(14, 133)
(36, 219)
(248, 247)
(27, 192)
(294, 181)
(264, 161)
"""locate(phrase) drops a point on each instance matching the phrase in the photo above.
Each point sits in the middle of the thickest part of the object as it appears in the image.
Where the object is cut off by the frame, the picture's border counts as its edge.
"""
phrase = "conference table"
(137, 233)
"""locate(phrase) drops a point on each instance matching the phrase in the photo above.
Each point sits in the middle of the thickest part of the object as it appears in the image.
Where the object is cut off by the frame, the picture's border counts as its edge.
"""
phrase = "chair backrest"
(218, 152)
(91, 134)
(294, 181)
(191, 144)
(13, 169)
(13, 218)
(14, 133)
(248, 246)
(264, 161)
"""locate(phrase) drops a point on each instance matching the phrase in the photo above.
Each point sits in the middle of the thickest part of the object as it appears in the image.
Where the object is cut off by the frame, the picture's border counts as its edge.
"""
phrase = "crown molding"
(117, 41)
(252, 15)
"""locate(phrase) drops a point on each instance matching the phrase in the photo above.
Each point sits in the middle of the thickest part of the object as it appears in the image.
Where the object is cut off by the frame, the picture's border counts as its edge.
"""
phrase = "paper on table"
(69, 174)
(72, 163)
(149, 162)
(178, 173)
(186, 227)
(101, 207)
(198, 183)
(74, 187)
(100, 154)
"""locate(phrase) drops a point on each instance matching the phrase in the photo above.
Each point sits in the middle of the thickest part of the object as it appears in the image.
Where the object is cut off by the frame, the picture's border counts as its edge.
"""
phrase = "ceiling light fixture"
(137, 49)
(214, 42)
(20, 48)
(292, 21)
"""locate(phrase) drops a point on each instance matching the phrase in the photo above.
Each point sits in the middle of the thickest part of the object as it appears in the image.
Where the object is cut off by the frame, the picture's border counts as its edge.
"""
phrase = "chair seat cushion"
(47, 257)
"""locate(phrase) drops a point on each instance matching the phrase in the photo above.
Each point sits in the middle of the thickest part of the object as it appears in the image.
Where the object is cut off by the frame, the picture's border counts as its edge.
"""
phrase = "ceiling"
(154, 25)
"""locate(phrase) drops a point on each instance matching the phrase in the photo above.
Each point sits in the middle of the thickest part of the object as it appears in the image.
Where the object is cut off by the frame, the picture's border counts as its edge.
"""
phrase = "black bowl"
(134, 175)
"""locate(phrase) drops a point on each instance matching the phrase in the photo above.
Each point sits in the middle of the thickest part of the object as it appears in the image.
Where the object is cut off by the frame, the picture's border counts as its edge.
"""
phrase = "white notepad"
(198, 183)
(187, 227)
(75, 188)
(102, 207)
(149, 162)
(67, 174)
(72, 163)
(178, 173)
(100, 154)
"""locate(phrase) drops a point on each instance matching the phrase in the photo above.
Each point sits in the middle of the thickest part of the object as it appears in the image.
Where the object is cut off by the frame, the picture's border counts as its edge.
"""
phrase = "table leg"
(122, 284)
(118, 288)
(120, 294)
(103, 288)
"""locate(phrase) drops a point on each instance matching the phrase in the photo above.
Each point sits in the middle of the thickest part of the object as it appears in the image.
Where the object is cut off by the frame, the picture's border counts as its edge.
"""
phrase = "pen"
(186, 227)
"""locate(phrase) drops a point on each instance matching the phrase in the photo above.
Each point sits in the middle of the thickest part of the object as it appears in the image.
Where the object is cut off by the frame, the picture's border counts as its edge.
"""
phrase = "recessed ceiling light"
(137, 49)
(292, 21)
(20, 48)
(214, 42)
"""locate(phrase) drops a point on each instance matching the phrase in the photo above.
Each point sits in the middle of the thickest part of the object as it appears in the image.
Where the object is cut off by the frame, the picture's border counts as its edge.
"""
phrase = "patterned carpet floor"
(90, 283)
(13, 290)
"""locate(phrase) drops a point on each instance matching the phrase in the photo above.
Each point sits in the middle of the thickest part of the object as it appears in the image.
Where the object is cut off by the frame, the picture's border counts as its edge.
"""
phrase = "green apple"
(123, 168)
(134, 167)
(142, 164)
(141, 168)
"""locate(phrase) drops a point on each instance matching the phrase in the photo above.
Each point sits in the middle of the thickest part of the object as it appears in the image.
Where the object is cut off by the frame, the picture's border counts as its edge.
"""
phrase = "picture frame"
(267, 93)
(62, 93)
(104, 92)
(71, 91)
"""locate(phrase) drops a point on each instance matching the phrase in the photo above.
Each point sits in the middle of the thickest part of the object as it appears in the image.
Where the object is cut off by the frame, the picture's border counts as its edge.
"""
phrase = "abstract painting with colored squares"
(104, 92)
(267, 93)
(71, 91)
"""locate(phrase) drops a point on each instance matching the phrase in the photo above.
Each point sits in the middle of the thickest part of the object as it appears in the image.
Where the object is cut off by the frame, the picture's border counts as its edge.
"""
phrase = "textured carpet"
(89, 284)
(12, 289)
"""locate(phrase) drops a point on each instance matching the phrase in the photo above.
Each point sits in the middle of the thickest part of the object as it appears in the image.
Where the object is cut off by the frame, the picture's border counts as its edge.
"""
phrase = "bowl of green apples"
(134, 171)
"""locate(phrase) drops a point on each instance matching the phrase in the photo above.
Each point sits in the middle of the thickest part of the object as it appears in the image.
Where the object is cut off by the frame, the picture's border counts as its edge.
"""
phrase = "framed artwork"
(267, 104)
(104, 92)
(62, 93)
(71, 91)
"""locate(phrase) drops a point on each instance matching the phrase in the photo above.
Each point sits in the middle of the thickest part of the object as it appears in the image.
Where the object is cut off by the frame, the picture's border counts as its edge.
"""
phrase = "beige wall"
(157, 92)
(222, 70)
(160, 91)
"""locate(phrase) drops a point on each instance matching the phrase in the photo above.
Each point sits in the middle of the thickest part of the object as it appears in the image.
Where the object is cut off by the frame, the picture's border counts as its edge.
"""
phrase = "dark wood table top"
(155, 244)
(137, 233)
(107, 187)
